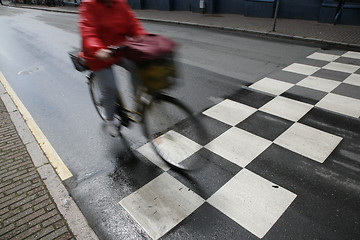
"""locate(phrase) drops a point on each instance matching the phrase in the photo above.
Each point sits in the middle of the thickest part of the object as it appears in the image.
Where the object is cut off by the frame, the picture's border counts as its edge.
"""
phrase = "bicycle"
(164, 119)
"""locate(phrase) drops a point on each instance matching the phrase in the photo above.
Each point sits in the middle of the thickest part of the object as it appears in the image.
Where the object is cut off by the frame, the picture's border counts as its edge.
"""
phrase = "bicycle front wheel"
(174, 132)
(97, 97)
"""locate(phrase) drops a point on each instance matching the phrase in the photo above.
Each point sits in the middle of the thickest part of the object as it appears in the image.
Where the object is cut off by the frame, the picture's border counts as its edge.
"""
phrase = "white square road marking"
(230, 112)
(161, 204)
(320, 84)
(272, 86)
(353, 79)
(341, 104)
(238, 146)
(323, 56)
(286, 108)
(177, 146)
(252, 201)
(148, 151)
(341, 67)
(301, 69)
(351, 54)
(309, 142)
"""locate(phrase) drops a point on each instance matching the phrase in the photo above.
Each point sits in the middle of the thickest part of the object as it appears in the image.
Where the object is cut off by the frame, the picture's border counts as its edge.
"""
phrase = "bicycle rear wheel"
(174, 132)
(97, 97)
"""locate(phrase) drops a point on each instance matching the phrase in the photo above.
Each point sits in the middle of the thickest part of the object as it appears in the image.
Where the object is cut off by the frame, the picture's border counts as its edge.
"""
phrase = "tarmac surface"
(33, 200)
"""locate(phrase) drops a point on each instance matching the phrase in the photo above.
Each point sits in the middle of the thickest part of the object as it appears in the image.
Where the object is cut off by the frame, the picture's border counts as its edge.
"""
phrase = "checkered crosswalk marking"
(353, 79)
(335, 92)
(161, 204)
(307, 141)
(351, 54)
(271, 116)
(272, 86)
(341, 104)
(230, 112)
(301, 69)
(286, 108)
(341, 67)
(323, 56)
(321, 84)
(252, 201)
(238, 146)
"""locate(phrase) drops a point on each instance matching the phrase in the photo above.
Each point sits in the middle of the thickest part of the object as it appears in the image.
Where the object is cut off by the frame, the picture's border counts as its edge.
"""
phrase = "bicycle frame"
(142, 98)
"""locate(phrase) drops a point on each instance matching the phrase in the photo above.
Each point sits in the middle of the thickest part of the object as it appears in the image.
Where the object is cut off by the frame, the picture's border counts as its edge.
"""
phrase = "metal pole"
(276, 13)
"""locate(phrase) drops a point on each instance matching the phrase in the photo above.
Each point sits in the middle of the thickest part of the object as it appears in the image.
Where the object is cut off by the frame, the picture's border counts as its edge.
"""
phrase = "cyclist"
(103, 23)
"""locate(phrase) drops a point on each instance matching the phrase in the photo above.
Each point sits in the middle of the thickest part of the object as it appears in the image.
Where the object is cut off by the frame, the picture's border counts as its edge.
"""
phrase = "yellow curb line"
(55, 160)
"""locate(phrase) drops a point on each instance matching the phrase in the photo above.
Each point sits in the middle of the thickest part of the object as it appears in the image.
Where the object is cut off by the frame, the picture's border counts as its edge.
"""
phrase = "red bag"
(149, 47)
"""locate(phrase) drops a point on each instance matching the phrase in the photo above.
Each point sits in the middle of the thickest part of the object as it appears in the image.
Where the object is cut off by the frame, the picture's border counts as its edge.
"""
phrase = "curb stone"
(60, 196)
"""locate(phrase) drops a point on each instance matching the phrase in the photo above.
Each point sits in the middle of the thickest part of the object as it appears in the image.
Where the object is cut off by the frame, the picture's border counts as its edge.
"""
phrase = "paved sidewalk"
(26, 207)
(342, 36)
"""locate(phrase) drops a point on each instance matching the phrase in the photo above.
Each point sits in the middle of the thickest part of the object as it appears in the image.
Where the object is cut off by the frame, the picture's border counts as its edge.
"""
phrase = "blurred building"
(344, 11)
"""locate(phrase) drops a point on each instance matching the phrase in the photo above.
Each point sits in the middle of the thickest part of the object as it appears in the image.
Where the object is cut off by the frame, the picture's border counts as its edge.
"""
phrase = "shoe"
(112, 128)
(124, 119)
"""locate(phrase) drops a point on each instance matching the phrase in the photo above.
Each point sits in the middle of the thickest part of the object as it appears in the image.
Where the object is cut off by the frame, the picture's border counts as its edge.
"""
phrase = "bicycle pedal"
(125, 120)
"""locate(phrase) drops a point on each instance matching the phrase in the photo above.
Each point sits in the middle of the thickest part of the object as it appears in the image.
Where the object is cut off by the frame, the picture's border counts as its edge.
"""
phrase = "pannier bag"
(154, 55)
(158, 74)
(79, 63)
(149, 47)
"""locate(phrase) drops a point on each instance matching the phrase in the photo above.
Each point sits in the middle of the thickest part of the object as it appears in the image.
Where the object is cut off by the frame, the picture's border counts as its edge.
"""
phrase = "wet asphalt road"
(33, 52)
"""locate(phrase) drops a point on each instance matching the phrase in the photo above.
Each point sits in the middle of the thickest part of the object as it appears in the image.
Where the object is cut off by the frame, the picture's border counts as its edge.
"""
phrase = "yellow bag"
(157, 75)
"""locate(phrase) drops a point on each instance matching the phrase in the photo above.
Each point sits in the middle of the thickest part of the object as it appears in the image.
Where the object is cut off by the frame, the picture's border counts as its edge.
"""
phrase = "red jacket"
(102, 26)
